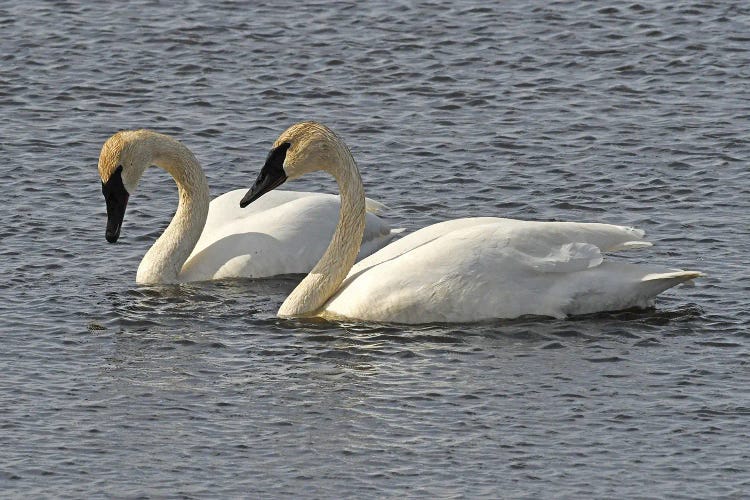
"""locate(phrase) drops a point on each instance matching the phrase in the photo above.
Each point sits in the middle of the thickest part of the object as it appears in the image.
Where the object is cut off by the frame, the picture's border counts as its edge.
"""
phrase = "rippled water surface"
(633, 113)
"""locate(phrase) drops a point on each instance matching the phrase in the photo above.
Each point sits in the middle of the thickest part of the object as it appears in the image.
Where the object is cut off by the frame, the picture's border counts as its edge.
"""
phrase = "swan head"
(301, 149)
(122, 161)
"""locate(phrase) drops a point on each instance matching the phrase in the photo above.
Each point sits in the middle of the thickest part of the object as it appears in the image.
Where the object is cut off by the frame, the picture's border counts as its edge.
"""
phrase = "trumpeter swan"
(459, 270)
(204, 241)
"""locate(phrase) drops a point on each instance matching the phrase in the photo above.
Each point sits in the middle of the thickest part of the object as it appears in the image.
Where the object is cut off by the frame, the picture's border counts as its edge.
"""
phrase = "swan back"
(482, 268)
(284, 232)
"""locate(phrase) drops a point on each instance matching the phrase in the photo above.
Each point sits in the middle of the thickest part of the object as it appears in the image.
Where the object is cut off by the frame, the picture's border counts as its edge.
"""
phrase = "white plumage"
(284, 234)
(460, 270)
(480, 268)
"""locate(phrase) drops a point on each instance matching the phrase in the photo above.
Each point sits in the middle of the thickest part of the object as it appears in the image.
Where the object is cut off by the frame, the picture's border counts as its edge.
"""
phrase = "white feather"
(480, 268)
(284, 232)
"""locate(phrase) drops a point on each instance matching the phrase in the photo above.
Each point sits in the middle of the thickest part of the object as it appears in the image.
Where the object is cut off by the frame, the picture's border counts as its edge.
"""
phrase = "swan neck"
(325, 278)
(164, 260)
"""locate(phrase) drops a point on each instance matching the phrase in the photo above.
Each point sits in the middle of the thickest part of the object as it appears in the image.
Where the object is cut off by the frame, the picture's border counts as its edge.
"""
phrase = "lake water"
(630, 113)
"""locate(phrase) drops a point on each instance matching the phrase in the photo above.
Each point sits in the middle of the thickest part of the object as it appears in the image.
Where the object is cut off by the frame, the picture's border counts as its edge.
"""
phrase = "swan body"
(481, 268)
(460, 270)
(285, 234)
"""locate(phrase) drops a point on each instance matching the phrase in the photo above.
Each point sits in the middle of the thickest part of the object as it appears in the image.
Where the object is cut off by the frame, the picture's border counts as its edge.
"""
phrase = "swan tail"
(621, 286)
(633, 240)
(653, 284)
(375, 207)
(630, 245)
(658, 282)
(371, 243)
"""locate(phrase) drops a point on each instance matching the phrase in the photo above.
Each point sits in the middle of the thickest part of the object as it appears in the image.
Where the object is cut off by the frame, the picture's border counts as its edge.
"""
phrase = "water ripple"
(623, 113)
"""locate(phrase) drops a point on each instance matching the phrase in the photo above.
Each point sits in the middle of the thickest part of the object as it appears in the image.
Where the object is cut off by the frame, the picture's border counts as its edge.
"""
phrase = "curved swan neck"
(163, 262)
(325, 278)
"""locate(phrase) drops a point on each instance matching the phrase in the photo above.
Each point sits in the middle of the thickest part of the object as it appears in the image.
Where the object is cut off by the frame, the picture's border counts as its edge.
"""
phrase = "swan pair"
(456, 271)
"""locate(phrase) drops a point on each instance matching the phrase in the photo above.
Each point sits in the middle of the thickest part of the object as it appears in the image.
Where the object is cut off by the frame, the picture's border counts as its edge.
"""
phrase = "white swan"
(286, 235)
(460, 270)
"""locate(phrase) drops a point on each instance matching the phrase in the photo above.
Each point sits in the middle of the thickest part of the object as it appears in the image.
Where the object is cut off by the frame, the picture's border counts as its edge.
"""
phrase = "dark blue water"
(628, 113)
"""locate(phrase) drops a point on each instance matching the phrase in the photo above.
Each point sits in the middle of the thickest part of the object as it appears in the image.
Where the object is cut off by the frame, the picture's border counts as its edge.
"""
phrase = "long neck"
(164, 260)
(324, 280)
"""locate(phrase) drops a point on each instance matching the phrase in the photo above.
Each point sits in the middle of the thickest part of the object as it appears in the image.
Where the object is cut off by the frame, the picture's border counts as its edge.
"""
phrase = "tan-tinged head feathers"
(313, 146)
(109, 158)
(133, 151)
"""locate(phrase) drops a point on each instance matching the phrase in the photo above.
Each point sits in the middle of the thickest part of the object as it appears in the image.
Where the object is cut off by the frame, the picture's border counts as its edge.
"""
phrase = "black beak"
(271, 176)
(116, 197)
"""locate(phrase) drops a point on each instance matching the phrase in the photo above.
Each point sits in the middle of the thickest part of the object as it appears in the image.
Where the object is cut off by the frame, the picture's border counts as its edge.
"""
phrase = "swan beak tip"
(246, 200)
(263, 185)
(112, 236)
